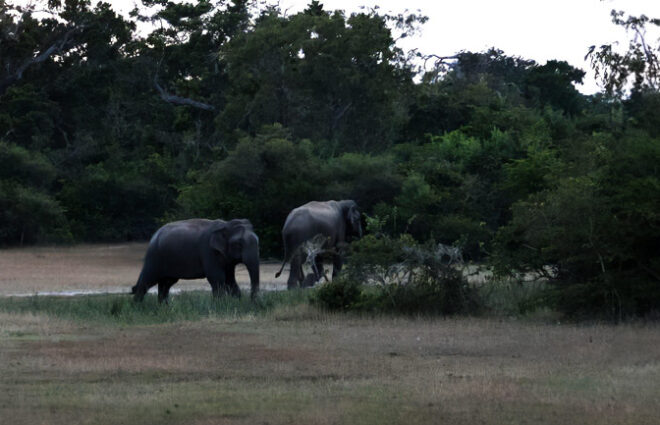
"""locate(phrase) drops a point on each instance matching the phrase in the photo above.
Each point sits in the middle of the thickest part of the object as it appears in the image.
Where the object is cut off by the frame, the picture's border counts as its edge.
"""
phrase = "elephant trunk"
(252, 264)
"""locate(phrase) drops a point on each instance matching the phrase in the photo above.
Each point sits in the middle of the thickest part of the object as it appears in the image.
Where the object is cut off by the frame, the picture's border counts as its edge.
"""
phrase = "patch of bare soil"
(96, 268)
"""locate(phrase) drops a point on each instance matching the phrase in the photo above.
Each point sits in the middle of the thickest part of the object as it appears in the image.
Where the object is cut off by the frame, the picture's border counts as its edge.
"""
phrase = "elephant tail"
(281, 268)
(283, 262)
(290, 246)
(286, 255)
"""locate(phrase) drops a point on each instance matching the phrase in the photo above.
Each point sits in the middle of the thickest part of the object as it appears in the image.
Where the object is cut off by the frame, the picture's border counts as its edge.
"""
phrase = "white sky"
(533, 29)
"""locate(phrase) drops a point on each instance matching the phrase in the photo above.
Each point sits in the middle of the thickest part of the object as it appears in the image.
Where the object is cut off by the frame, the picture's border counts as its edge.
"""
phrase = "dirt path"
(90, 269)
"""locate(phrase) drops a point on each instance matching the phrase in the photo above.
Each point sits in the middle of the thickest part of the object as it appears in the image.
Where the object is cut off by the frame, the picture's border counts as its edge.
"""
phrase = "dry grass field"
(300, 366)
(293, 364)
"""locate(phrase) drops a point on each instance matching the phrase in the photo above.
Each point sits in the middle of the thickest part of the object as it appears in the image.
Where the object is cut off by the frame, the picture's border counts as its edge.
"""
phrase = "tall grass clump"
(121, 309)
(503, 296)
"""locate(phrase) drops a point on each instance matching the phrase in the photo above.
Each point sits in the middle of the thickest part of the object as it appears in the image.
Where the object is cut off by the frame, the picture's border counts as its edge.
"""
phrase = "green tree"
(28, 211)
(325, 76)
(261, 179)
(593, 231)
(640, 63)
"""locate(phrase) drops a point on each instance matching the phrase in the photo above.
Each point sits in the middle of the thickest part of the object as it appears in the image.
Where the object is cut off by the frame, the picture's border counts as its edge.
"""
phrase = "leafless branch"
(338, 115)
(54, 48)
(438, 60)
(178, 100)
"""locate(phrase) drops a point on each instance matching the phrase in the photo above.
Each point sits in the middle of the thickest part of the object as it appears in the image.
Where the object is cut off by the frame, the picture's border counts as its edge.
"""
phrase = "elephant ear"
(351, 214)
(352, 217)
(218, 239)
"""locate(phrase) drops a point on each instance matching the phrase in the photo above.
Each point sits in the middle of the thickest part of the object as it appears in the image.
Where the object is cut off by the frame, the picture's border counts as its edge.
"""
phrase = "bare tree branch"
(54, 48)
(178, 100)
(438, 60)
(339, 114)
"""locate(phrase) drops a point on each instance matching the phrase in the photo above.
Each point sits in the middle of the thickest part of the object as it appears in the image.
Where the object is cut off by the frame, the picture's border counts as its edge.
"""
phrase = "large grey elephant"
(339, 221)
(197, 248)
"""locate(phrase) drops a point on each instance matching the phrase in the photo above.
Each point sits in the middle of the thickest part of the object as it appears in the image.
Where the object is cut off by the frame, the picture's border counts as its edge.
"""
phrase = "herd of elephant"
(198, 248)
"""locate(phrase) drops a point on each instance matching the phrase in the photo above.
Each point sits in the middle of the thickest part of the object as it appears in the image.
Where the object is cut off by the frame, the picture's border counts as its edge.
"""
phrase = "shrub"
(595, 235)
(386, 275)
(28, 211)
(340, 294)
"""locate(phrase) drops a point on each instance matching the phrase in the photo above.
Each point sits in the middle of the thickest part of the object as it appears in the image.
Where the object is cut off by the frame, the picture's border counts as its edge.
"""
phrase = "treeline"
(110, 126)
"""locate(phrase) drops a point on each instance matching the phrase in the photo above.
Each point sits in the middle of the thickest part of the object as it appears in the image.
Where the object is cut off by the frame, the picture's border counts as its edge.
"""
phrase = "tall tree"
(323, 75)
(640, 63)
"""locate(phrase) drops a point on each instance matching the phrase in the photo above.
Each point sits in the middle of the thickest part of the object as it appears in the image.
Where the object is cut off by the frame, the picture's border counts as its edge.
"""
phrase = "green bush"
(28, 211)
(338, 295)
(386, 275)
(593, 235)
(97, 201)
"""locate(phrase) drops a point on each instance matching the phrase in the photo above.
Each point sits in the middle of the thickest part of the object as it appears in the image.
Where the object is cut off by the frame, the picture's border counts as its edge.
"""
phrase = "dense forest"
(112, 125)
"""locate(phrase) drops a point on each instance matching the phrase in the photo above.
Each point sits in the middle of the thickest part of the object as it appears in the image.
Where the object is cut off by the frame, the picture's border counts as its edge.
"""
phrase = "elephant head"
(352, 219)
(236, 241)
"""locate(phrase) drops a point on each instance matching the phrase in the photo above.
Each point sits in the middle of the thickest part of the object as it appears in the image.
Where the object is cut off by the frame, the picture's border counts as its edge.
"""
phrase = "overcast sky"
(533, 29)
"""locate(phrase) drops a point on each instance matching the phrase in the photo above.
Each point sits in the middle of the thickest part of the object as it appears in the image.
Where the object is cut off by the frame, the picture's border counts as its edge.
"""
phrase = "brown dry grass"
(301, 366)
(112, 268)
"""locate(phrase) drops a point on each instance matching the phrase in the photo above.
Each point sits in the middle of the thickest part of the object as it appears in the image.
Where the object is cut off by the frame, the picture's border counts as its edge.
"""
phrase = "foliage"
(594, 234)
(367, 179)
(28, 213)
(641, 62)
(260, 179)
(279, 73)
(387, 275)
(97, 199)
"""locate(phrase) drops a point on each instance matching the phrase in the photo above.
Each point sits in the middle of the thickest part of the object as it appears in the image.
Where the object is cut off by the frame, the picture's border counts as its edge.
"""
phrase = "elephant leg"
(216, 278)
(296, 272)
(232, 287)
(308, 281)
(319, 270)
(164, 286)
(336, 265)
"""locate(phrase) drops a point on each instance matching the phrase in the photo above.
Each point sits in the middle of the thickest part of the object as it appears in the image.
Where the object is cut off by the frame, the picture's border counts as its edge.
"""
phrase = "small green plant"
(339, 295)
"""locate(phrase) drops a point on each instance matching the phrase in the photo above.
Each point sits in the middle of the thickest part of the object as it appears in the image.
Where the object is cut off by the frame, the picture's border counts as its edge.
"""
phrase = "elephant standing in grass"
(197, 248)
(338, 221)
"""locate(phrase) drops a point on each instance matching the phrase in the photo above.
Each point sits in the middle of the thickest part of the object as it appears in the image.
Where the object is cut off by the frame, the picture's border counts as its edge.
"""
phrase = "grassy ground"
(103, 359)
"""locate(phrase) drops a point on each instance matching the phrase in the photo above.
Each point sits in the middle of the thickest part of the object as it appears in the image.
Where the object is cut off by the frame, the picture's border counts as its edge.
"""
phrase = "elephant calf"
(338, 221)
(197, 248)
